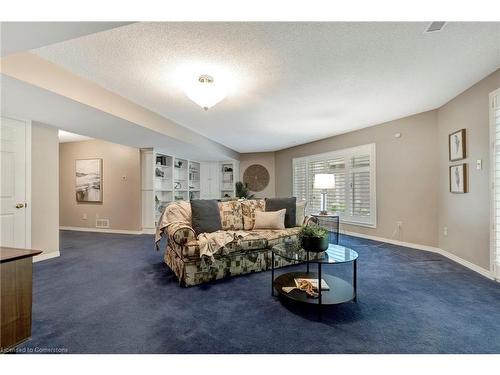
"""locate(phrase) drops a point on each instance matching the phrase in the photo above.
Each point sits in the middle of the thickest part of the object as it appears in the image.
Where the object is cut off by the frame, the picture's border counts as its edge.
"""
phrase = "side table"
(330, 223)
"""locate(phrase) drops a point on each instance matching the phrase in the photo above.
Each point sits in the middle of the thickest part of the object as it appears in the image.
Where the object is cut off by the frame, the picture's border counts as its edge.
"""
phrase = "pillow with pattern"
(231, 217)
(248, 209)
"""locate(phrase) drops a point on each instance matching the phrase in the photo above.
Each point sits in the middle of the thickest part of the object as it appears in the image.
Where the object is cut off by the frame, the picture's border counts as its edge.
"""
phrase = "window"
(353, 197)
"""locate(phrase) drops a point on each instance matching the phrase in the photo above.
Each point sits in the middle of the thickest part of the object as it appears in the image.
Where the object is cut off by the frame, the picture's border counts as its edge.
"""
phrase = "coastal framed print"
(88, 176)
(458, 178)
(456, 145)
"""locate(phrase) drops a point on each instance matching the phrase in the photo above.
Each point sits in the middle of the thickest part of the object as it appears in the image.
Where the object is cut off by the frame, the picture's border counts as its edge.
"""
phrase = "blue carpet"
(111, 293)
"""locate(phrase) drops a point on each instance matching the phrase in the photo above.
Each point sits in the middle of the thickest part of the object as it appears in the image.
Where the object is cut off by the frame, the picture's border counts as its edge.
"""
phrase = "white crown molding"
(482, 271)
(46, 256)
(100, 230)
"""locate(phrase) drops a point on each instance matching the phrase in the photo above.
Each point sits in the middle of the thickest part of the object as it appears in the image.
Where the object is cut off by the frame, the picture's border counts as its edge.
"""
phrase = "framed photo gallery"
(458, 176)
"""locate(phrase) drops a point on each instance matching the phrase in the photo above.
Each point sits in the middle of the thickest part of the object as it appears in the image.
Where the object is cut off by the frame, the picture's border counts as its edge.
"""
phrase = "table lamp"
(324, 181)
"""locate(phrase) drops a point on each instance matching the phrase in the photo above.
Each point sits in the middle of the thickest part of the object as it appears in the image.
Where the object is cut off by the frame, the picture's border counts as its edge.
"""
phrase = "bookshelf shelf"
(166, 179)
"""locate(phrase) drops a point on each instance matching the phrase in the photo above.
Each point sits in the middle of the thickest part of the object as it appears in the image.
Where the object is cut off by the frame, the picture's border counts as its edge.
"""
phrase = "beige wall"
(406, 175)
(121, 197)
(44, 189)
(467, 215)
(265, 159)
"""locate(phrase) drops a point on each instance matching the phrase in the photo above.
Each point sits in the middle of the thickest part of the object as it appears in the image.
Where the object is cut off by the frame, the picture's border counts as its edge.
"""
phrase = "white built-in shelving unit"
(228, 179)
(166, 178)
(194, 180)
(181, 182)
(163, 179)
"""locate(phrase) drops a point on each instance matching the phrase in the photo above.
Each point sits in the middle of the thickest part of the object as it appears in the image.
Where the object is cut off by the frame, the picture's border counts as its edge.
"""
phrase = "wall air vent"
(435, 26)
(102, 223)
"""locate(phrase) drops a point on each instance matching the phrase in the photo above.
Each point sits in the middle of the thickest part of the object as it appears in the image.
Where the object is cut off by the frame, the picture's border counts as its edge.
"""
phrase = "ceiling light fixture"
(205, 92)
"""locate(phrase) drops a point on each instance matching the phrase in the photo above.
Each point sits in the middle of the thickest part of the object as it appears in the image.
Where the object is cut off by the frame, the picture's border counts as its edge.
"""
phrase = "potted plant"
(242, 191)
(314, 238)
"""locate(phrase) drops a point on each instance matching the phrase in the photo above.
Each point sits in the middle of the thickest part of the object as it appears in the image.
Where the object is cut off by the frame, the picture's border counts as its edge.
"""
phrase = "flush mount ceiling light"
(205, 92)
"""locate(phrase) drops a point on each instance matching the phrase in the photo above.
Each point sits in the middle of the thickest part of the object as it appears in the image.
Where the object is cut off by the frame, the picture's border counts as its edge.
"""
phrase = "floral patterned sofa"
(252, 253)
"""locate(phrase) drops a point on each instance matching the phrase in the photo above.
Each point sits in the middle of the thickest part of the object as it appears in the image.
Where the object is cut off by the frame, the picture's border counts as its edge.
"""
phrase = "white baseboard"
(45, 256)
(393, 242)
(101, 230)
(482, 271)
(466, 263)
(148, 231)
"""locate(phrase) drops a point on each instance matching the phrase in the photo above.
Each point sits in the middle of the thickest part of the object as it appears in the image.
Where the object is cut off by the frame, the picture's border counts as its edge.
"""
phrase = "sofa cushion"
(276, 204)
(205, 216)
(251, 242)
(248, 209)
(231, 216)
(277, 236)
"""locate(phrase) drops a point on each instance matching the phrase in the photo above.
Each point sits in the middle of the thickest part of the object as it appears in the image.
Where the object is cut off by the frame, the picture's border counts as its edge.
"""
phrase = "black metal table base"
(340, 290)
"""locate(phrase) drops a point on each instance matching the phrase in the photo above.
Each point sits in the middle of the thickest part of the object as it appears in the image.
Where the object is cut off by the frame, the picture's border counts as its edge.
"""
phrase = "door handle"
(19, 205)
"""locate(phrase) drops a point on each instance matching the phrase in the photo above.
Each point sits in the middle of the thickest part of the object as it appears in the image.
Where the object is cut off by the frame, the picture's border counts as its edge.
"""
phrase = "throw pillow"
(300, 213)
(248, 209)
(230, 215)
(205, 216)
(275, 204)
(270, 220)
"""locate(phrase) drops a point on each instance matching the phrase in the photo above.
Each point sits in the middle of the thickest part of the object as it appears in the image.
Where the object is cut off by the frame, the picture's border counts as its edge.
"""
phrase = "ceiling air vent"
(435, 26)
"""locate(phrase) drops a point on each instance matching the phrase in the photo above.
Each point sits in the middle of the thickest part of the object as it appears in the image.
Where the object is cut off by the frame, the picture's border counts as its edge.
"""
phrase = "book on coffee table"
(314, 282)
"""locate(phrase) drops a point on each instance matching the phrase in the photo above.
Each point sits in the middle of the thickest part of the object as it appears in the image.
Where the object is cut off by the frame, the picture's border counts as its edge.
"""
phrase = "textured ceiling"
(291, 83)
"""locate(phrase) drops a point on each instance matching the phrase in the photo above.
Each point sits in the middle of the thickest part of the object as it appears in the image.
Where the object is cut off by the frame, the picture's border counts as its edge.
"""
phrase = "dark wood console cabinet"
(16, 294)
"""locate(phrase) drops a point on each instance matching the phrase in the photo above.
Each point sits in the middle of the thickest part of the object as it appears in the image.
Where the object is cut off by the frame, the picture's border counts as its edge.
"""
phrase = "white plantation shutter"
(495, 132)
(335, 197)
(314, 197)
(360, 187)
(336, 200)
(299, 180)
(353, 197)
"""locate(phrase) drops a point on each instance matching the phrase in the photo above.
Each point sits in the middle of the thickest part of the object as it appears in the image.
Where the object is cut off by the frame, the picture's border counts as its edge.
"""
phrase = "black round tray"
(340, 290)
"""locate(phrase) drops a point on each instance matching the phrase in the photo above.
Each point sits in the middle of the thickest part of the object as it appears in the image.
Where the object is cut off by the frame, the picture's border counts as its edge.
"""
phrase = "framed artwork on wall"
(88, 176)
(456, 145)
(256, 177)
(458, 178)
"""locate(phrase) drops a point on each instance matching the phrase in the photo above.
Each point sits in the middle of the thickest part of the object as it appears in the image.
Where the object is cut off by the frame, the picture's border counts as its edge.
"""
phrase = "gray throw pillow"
(276, 204)
(205, 216)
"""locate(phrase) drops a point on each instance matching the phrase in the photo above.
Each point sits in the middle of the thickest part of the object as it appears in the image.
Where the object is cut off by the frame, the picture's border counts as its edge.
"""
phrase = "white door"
(205, 180)
(209, 180)
(214, 180)
(13, 183)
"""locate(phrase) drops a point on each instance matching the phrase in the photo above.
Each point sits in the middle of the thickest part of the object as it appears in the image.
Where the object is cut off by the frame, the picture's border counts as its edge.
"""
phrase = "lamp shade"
(324, 181)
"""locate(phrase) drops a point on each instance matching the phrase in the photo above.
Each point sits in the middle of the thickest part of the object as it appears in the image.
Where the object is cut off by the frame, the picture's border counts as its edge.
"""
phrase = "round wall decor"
(256, 177)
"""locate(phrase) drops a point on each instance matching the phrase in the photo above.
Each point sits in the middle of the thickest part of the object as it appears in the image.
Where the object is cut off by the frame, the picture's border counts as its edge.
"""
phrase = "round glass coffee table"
(335, 291)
